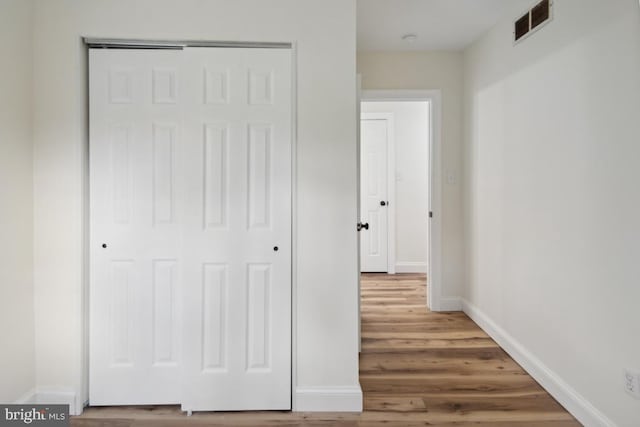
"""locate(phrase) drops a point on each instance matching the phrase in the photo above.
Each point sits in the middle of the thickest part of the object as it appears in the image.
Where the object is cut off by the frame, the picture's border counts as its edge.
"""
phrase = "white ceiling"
(439, 24)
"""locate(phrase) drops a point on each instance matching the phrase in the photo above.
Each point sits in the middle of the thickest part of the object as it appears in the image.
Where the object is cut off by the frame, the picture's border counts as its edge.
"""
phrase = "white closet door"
(136, 256)
(191, 193)
(373, 195)
(238, 229)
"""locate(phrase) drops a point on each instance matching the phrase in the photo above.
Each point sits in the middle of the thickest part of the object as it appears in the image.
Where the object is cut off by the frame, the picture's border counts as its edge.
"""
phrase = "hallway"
(417, 366)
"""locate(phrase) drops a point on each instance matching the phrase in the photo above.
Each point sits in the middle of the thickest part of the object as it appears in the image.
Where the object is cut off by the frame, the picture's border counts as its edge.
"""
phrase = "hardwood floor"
(440, 368)
(417, 368)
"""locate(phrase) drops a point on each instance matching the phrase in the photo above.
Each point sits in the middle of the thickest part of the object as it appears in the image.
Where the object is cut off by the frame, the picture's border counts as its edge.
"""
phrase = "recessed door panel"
(121, 313)
(121, 172)
(259, 179)
(214, 318)
(216, 169)
(164, 144)
(258, 318)
(166, 326)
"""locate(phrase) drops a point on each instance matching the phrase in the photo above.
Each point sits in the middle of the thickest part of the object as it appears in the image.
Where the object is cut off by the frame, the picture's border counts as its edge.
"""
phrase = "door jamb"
(434, 97)
(294, 224)
(358, 190)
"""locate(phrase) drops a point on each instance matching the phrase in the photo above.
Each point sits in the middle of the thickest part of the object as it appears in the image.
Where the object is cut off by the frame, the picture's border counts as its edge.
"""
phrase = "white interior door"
(135, 253)
(238, 261)
(374, 135)
(190, 166)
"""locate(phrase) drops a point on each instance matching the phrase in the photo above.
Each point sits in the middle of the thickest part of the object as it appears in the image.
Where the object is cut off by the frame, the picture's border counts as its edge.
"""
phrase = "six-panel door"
(373, 192)
(190, 164)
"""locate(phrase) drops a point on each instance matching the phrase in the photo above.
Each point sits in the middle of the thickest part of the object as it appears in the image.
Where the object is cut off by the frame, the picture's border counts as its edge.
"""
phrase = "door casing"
(434, 98)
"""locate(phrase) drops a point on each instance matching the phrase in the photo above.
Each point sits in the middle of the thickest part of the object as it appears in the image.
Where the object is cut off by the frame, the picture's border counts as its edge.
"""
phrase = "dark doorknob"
(383, 203)
(361, 226)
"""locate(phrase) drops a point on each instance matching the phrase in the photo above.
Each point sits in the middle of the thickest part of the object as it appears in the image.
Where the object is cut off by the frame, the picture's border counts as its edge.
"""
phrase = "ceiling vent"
(533, 20)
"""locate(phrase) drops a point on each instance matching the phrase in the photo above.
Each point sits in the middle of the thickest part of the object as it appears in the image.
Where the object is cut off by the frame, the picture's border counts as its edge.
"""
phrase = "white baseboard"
(568, 397)
(328, 399)
(53, 396)
(449, 304)
(28, 397)
(411, 267)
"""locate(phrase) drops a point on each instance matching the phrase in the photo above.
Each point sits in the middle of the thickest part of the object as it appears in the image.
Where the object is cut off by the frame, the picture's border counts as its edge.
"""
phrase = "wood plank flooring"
(417, 368)
(440, 368)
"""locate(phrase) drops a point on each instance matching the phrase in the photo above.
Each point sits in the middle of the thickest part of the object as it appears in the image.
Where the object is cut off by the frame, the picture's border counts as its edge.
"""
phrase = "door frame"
(434, 239)
(82, 400)
(391, 188)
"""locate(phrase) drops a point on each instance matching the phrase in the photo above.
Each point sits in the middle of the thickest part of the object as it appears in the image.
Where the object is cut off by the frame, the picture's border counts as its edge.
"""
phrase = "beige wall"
(552, 151)
(16, 208)
(326, 342)
(432, 70)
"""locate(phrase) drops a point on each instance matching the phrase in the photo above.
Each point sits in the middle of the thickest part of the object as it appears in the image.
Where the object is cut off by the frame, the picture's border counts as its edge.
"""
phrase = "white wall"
(16, 209)
(411, 207)
(432, 70)
(325, 266)
(552, 172)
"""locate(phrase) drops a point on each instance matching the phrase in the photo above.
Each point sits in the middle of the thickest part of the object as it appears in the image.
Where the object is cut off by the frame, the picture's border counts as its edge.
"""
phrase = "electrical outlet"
(632, 383)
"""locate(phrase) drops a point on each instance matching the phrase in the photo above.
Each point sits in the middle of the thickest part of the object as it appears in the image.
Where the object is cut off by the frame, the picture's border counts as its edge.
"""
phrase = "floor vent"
(533, 20)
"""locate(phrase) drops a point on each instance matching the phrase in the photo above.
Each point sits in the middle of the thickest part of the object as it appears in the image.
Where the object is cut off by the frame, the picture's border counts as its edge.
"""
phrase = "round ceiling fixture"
(409, 38)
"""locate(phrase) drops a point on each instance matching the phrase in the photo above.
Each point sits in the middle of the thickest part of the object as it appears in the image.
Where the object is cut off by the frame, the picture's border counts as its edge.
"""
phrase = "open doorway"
(399, 202)
(394, 186)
